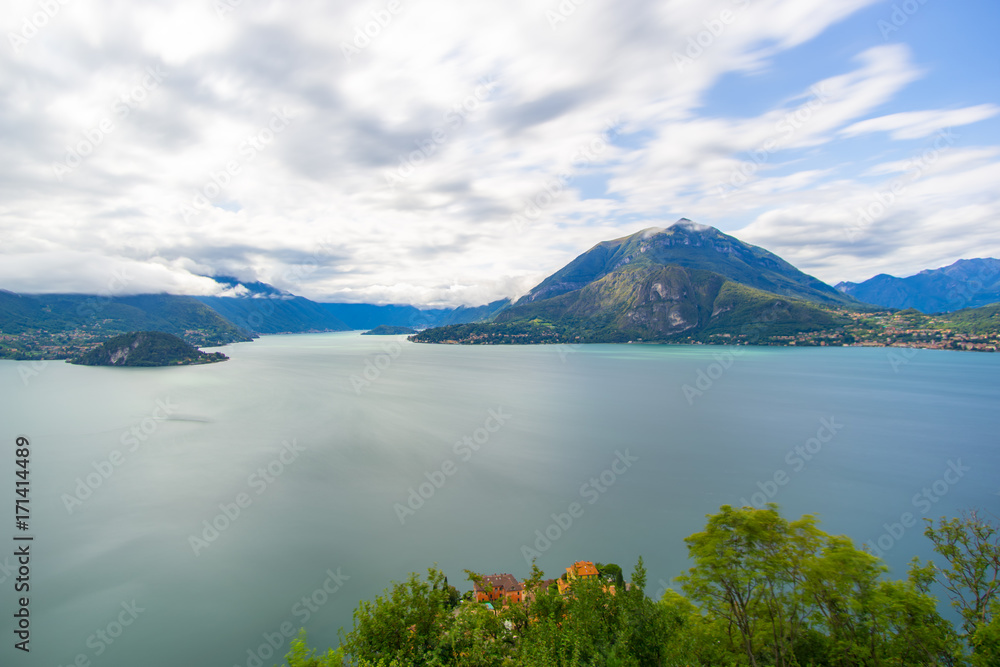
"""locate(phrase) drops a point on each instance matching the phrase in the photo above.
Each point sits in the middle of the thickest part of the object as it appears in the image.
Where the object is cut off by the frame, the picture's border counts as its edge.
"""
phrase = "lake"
(186, 515)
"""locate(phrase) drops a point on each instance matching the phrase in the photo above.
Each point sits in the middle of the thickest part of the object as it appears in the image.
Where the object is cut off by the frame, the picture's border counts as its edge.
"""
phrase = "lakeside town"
(907, 329)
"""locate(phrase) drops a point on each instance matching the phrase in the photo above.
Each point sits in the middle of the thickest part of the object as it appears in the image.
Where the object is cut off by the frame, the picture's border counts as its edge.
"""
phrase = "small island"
(389, 330)
(144, 349)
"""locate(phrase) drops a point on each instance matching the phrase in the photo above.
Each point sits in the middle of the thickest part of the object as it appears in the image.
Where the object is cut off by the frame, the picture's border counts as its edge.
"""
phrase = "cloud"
(919, 124)
(396, 178)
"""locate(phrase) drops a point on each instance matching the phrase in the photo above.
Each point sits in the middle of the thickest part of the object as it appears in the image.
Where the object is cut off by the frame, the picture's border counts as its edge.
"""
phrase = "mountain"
(92, 315)
(260, 308)
(147, 348)
(692, 246)
(467, 314)
(241, 288)
(666, 302)
(272, 315)
(369, 316)
(968, 283)
(686, 282)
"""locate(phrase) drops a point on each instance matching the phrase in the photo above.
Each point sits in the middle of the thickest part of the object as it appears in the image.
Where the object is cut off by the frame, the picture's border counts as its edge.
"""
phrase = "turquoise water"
(336, 482)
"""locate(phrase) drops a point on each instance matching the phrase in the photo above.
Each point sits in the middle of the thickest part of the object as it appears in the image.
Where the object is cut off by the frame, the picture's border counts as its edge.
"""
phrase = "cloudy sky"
(454, 152)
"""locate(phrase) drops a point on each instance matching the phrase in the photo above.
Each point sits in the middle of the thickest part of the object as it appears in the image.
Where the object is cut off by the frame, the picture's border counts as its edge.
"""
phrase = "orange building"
(582, 568)
(500, 586)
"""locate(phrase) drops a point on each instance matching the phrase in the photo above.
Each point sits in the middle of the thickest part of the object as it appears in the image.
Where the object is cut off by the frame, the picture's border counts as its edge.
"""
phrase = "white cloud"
(308, 208)
(919, 124)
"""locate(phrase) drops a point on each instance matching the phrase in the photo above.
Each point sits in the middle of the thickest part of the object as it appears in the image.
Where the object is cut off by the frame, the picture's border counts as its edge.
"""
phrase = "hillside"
(58, 326)
(692, 246)
(146, 348)
(686, 283)
(968, 283)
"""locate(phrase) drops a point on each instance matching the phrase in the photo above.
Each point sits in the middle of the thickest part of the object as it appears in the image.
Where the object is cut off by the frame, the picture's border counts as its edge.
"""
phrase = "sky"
(442, 153)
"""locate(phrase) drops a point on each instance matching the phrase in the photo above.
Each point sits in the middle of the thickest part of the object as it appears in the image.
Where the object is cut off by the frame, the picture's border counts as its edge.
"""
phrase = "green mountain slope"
(648, 303)
(685, 283)
(692, 246)
(92, 315)
(146, 348)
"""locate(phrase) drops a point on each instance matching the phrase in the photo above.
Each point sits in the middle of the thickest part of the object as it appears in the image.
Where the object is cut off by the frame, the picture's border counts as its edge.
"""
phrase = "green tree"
(611, 573)
(971, 547)
(299, 654)
(405, 624)
(748, 569)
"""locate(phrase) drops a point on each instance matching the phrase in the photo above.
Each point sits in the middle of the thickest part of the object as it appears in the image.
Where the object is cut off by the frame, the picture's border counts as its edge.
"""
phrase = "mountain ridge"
(694, 246)
(966, 283)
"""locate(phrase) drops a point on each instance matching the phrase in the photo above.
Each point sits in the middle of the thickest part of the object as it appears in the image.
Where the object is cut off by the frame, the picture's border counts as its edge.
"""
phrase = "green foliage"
(794, 593)
(299, 655)
(405, 624)
(971, 547)
(762, 591)
(146, 348)
(985, 320)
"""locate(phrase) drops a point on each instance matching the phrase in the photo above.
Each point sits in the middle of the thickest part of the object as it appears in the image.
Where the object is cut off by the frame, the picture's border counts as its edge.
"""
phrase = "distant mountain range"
(968, 283)
(57, 326)
(260, 308)
(369, 316)
(684, 283)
